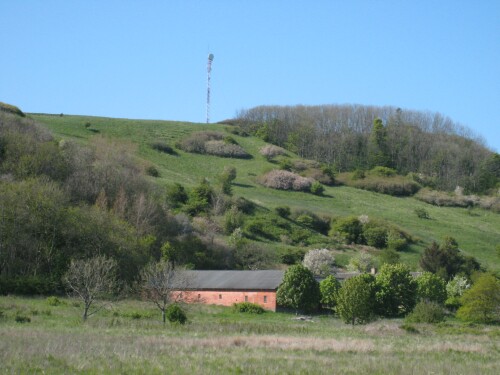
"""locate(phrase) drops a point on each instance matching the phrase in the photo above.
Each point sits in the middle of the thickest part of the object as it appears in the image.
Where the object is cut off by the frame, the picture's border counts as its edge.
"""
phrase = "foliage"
(152, 171)
(455, 288)
(22, 319)
(355, 300)
(431, 287)
(382, 171)
(90, 280)
(253, 256)
(175, 314)
(291, 256)
(319, 261)
(329, 287)
(422, 213)
(361, 262)
(375, 235)
(8, 108)
(398, 186)
(396, 290)
(426, 312)
(283, 211)
(285, 180)
(317, 188)
(389, 256)
(248, 307)
(299, 290)
(271, 151)
(226, 178)
(349, 228)
(163, 147)
(446, 260)
(53, 301)
(176, 195)
(481, 303)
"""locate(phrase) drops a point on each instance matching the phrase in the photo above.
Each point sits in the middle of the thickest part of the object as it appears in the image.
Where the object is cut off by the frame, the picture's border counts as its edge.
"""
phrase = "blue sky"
(147, 59)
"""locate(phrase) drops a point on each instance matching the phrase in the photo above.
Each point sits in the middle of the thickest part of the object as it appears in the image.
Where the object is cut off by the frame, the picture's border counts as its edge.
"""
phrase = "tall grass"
(217, 340)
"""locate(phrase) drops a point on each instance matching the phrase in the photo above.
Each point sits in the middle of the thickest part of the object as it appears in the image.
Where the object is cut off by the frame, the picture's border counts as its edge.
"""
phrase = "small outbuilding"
(228, 287)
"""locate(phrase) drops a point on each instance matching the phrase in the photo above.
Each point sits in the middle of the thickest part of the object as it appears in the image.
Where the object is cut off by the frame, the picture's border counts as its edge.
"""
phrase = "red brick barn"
(228, 287)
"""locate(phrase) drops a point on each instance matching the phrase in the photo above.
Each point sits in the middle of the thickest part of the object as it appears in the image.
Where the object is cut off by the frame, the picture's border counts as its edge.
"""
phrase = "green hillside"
(477, 231)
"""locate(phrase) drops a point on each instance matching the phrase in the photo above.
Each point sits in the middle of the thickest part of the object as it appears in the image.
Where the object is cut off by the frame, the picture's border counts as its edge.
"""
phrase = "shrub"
(422, 213)
(286, 164)
(389, 256)
(397, 185)
(455, 288)
(283, 211)
(349, 228)
(431, 287)
(361, 262)
(481, 302)
(271, 151)
(426, 312)
(358, 174)
(176, 195)
(196, 141)
(175, 314)
(383, 171)
(284, 180)
(223, 149)
(408, 328)
(244, 205)
(53, 301)
(152, 171)
(22, 319)
(375, 235)
(248, 307)
(163, 147)
(291, 256)
(317, 188)
(4, 107)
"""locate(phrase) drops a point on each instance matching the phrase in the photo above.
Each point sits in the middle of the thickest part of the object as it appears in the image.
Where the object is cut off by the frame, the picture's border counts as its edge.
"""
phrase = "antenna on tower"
(209, 71)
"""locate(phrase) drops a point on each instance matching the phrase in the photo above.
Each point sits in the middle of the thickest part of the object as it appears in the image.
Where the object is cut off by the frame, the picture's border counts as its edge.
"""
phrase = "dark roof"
(237, 280)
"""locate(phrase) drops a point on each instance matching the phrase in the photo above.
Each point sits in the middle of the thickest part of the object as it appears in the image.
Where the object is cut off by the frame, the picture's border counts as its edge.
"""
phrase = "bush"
(196, 141)
(176, 195)
(271, 151)
(163, 147)
(426, 312)
(223, 149)
(244, 205)
(397, 185)
(248, 307)
(175, 314)
(152, 171)
(355, 299)
(28, 285)
(383, 171)
(422, 213)
(319, 261)
(349, 228)
(375, 235)
(358, 174)
(431, 287)
(299, 290)
(317, 188)
(285, 180)
(291, 256)
(283, 211)
(329, 287)
(481, 302)
(53, 301)
(22, 319)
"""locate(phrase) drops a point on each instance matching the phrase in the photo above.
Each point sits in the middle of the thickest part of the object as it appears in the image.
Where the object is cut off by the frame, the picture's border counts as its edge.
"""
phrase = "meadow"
(477, 231)
(128, 337)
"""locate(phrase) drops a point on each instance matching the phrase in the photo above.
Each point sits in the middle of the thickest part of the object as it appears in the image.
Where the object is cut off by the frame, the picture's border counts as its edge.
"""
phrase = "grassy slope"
(477, 231)
(128, 337)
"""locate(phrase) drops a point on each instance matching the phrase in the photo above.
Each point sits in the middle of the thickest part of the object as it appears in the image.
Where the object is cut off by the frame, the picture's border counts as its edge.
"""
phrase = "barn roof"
(238, 280)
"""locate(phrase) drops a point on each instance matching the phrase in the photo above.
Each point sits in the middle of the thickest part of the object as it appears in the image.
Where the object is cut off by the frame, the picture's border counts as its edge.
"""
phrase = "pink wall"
(228, 298)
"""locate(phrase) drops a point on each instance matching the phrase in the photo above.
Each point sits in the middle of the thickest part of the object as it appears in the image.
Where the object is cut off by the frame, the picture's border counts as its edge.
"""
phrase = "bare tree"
(160, 281)
(90, 279)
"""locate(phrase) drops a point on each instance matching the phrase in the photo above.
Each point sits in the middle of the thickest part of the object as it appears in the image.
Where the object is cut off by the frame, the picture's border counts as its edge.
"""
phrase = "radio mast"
(209, 71)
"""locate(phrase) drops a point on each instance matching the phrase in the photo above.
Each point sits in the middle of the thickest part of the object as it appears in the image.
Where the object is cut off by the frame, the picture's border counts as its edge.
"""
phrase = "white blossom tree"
(319, 261)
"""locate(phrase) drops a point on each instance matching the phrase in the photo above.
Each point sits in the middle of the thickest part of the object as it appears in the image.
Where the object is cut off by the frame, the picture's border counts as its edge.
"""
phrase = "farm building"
(228, 287)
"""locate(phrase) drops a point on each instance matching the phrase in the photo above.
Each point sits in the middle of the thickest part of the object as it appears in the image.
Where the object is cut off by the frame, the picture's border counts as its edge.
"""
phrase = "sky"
(148, 59)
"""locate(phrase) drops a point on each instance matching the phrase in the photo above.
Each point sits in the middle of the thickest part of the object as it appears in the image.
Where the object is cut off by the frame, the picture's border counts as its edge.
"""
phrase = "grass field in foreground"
(477, 231)
(128, 337)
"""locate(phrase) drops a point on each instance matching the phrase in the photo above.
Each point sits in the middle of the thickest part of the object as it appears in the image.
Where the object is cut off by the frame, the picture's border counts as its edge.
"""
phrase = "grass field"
(477, 231)
(128, 337)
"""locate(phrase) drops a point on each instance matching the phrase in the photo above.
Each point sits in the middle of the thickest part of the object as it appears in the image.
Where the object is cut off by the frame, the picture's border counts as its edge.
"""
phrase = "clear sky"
(147, 59)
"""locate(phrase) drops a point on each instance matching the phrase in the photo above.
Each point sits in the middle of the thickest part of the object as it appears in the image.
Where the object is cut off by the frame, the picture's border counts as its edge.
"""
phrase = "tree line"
(351, 137)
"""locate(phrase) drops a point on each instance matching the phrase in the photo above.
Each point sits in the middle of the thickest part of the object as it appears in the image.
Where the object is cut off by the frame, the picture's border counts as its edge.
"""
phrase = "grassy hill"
(477, 231)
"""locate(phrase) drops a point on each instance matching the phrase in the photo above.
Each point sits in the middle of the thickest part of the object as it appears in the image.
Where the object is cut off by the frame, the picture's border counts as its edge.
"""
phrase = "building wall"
(266, 299)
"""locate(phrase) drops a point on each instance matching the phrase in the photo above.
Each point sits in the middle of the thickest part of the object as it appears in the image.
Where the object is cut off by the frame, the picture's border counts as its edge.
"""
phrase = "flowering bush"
(285, 180)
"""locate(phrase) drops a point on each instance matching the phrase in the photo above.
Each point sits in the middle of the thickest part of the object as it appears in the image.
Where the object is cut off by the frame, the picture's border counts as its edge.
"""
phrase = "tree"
(377, 147)
(349, 228)
(396, 290)
(455, 288)
(319, 261)
(226, 178)
(159, 281)
(328, 288)
(91, 279)
(481, 303)
(431, 288)
(361, 262)
(299, 290)
(355, 299)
